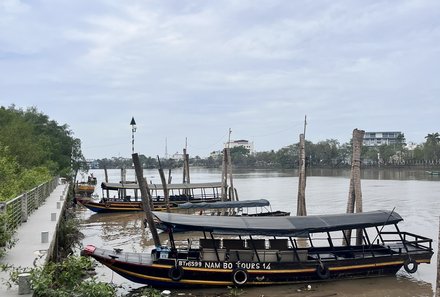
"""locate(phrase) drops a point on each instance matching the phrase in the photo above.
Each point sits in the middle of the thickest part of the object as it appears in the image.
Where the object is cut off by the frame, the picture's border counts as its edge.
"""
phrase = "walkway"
(33, 241)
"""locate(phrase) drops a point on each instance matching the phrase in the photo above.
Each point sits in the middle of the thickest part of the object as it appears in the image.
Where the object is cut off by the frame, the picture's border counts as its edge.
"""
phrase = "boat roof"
(278, 226)
(225, 204)
(133, 186)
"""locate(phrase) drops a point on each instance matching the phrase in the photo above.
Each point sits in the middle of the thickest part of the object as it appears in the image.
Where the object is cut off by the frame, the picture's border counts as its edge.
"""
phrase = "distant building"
(379, 138)
(177, 156)
(244, 143)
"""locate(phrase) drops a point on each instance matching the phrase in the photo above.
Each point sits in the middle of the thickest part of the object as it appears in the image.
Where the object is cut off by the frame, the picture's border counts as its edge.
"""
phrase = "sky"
(188, 71)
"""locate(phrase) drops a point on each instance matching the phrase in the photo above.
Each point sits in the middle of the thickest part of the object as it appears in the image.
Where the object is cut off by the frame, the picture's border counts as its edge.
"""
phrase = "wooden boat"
(178, 193)
(271, 250)
(85, 188)
(433, 172)
(253, 208)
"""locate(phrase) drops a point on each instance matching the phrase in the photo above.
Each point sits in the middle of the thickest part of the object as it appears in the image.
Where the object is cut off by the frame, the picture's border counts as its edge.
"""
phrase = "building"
(244, 143)
(379, 138)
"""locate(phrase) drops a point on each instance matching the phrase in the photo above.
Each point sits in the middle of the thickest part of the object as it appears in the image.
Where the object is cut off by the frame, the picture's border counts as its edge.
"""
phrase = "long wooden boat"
(127, 198)
(253, 208)
(260, 251)
(433, 172)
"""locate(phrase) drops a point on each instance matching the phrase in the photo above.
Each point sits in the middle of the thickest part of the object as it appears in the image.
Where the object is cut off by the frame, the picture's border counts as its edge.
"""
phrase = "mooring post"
(355, 193)
(106, 180)
(437, 290)
(164, 185)
(146, 199)
(301, 203)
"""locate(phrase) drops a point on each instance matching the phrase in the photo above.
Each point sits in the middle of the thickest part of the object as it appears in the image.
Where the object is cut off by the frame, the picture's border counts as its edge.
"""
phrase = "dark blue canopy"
(278, 226)
(225, 204)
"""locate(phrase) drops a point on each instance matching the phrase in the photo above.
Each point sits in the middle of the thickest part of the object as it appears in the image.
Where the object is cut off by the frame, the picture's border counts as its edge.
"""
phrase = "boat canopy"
(278, 226)
(133, 186)
(225, 204)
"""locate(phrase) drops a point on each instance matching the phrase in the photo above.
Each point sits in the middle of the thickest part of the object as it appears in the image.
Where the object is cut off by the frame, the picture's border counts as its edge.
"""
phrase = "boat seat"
(278, 244)
(268, 255)
(257, 244)
(209, 243)
(241, 255)
(236, 244)
(291, 256)
(210, 255)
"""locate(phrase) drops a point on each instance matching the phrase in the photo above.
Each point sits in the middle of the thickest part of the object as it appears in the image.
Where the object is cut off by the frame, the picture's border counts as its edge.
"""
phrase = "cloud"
(197, 68)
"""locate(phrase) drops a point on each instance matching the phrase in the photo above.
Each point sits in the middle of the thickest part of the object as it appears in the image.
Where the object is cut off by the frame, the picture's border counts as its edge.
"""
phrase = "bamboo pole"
(106, 180)
(301, 203)
(164, 185)
(184, 166)
(231, 181)
(355, 192)
(224, 188)
(169, 176)
(146, 199)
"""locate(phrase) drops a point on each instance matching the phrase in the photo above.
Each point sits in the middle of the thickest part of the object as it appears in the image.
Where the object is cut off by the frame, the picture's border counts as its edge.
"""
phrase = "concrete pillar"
(24, 208)
(44, 236)
(24, 285)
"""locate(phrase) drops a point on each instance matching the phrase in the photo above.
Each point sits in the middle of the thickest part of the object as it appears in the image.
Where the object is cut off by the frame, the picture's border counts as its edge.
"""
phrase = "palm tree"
(433, 138)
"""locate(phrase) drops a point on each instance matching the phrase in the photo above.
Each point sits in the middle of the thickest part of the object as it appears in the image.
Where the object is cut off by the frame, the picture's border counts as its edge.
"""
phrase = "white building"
(244, 143)
(379, 138)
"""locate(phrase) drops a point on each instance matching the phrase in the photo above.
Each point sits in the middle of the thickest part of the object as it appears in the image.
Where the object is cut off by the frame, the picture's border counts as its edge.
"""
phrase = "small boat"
(261, 251)
(433, 172)
(253, 208)
(86, 188)
(178, 194)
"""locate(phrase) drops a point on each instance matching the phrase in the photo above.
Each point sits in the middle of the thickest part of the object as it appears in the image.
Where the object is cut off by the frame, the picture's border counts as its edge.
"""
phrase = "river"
(413, 193)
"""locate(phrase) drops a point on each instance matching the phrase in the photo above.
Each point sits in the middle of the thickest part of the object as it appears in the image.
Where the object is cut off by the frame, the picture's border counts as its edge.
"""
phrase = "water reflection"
(400, 285)
(413, 194)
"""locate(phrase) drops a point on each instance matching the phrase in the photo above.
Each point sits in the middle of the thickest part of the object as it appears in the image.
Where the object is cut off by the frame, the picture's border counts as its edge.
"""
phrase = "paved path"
(29, 248)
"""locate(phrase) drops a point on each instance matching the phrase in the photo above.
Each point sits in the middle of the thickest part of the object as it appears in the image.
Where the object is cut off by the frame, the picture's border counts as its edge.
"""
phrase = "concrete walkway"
(34, 238)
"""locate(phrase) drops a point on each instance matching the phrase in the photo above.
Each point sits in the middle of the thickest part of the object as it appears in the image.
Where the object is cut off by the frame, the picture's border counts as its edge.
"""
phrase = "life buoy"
(239, 276)
(107, 205)
(410, 265)
(176, 273)
(322, 271)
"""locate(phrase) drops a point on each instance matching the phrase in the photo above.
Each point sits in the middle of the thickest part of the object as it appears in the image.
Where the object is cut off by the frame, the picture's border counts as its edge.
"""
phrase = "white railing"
(19, 208)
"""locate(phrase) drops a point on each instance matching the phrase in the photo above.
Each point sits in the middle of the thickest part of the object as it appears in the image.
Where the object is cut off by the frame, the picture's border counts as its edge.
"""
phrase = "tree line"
(34, 149)
(327, 153)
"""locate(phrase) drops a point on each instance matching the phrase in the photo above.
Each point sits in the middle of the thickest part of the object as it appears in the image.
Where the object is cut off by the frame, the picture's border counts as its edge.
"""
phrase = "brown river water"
(414, 194)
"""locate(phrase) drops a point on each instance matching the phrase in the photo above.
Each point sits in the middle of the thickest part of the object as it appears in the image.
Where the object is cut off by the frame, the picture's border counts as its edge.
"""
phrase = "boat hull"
(195, 273)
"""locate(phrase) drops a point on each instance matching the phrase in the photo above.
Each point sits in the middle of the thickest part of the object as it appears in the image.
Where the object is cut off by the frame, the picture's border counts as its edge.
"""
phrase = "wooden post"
(146, 199)
(224, 189)
(301, 204)
(123, 179)
(184, 166)
(169, 176)
(437, 290)
(355, 193)
(231, 182)
(188, 179)
(106, 180)
(164, 186)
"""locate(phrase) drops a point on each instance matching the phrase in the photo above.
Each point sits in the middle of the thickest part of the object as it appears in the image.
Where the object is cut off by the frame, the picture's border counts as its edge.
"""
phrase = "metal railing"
(18, 209)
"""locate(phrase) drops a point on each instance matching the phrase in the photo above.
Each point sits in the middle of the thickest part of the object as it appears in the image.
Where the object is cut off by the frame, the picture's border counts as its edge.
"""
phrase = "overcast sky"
(194, 69)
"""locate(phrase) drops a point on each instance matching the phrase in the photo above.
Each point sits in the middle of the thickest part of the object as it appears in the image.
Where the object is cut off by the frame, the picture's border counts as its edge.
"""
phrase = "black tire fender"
(176, 273)
(322, 271)
(239, 276)
(410, 265)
